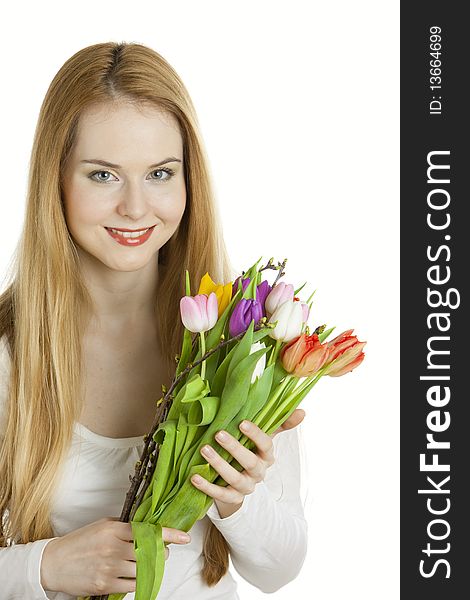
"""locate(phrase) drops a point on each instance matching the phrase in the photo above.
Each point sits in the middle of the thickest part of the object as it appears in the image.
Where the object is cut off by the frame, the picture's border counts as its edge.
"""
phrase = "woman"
(119, 205)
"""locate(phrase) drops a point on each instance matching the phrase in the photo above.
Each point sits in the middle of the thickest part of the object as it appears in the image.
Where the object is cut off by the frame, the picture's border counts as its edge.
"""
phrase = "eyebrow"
(105, 163)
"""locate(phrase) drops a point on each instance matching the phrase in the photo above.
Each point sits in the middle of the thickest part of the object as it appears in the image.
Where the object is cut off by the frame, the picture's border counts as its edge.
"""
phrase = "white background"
(298, 106)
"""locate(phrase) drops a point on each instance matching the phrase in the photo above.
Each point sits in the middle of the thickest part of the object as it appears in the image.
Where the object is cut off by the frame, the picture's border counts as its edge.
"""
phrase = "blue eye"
(99, 173)
(167, 170)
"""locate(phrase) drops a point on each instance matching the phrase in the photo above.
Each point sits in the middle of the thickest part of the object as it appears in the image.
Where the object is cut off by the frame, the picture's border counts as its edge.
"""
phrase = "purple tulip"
(244, 312)
(245, 283)
(262, 292)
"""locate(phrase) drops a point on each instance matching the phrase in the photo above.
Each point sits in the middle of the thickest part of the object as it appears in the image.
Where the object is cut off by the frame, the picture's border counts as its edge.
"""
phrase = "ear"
(295, 419)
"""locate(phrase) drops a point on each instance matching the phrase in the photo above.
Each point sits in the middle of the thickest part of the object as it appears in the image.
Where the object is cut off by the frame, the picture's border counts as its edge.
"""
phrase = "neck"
(122, 300)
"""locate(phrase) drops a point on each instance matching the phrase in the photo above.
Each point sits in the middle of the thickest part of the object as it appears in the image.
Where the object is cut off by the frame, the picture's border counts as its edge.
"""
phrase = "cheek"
(171, 206)
(82, 209)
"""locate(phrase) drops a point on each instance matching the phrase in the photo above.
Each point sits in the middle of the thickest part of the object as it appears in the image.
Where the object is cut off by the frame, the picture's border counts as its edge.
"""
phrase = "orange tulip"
(345, 354)
(304, 355)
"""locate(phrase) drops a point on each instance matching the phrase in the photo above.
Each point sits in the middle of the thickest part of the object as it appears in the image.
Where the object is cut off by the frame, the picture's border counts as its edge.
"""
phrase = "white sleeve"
(20, 573)
(268, 534)
(20, 564)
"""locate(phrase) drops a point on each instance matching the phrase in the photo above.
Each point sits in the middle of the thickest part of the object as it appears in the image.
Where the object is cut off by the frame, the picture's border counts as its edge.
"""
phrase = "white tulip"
(260, 365)
(289, 317)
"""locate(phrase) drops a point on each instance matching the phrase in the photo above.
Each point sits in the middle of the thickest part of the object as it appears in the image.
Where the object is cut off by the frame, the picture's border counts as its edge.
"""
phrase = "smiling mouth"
(132, 237)
(130, 232)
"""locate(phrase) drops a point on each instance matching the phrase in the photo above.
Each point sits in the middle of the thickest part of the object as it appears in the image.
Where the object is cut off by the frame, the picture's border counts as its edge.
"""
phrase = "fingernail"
(221, 436)
(184, 537)
(197, 479)
(245, 426)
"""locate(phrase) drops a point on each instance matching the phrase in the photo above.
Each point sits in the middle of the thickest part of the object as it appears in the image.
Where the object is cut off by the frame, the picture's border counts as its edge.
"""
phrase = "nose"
(133, 202)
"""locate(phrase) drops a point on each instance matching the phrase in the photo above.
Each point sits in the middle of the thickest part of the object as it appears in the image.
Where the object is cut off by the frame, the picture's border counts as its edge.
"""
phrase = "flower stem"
(203, 350)
(271, 401)
(274, 353)
(309, 382)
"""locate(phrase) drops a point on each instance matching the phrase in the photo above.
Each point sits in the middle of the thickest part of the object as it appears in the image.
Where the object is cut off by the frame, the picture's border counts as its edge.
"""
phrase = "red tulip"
(345, 354)
(304, 355)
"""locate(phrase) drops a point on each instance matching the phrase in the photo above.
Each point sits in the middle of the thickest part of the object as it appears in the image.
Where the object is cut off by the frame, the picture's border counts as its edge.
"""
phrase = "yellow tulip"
(223, 292)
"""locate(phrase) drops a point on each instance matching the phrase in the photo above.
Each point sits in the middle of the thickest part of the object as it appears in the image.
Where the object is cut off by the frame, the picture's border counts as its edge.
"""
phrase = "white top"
(267, 535)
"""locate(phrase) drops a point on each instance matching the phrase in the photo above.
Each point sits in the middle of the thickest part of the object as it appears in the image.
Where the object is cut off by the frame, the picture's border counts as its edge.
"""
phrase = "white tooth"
(130, 234)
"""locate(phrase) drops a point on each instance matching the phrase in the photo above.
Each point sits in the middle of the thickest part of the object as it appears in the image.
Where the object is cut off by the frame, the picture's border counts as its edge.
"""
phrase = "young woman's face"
(140, 186)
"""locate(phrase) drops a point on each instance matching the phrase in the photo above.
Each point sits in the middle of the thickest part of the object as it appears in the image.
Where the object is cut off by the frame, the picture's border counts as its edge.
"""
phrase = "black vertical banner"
(435, 270)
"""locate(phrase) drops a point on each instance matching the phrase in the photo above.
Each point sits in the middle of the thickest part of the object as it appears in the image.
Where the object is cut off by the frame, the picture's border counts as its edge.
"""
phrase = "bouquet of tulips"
(253, 359)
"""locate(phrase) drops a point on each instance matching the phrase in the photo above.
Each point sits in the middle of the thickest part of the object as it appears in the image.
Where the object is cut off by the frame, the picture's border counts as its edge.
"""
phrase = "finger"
(243, 483)
(227, 494)
(295, 419)
(127, 551)
(246, 458)
(122, 530)
(123, 586)
(128, 569)
(175, 536)
(263, 441)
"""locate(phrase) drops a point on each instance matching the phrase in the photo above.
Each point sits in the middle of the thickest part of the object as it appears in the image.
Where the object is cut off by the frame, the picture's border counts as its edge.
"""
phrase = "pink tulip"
(305, 309)
(199, 313)
(280, 293)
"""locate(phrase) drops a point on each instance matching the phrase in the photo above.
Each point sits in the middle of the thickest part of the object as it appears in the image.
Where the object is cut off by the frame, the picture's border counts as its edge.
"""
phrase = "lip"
(130, 241)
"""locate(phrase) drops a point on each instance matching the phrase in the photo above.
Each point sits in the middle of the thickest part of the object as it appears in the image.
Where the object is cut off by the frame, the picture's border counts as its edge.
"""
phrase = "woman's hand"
(230, 498)
(96, 559)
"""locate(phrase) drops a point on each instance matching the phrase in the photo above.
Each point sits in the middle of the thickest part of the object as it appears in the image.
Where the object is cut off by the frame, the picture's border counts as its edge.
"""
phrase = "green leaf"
(233, 398)
(185, 352)
(250, 291)
(166, 436)
(188, 504)
(325, 334)
(310, 297)
(296, 292)
(150, 559)
(203, 411)
(279, 374)
(181, 431)
(211, 365)
(195, 387)
(252, 271)
(257, 397)
(282, 415)
(220, 376)
(242, 349)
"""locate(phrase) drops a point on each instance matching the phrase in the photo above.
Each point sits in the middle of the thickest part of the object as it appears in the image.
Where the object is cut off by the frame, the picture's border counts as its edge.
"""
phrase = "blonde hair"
(45, 305)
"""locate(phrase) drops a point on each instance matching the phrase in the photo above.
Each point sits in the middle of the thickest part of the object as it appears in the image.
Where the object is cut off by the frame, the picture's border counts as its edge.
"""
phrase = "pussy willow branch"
(280, 267)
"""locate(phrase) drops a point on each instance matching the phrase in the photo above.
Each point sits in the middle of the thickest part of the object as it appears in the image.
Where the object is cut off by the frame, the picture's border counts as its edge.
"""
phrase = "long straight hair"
(44, 308)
